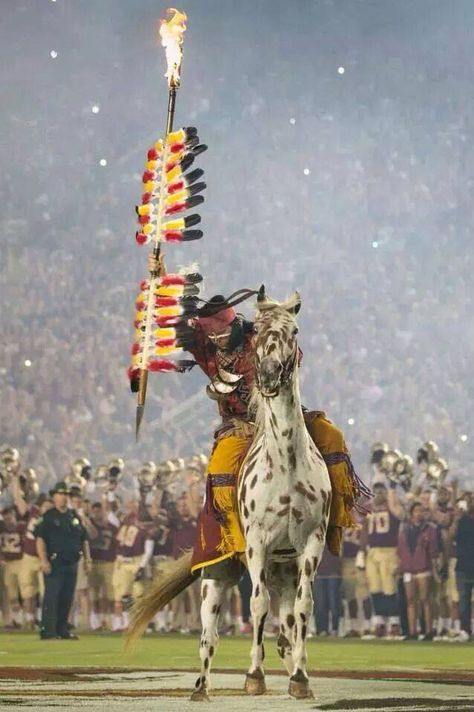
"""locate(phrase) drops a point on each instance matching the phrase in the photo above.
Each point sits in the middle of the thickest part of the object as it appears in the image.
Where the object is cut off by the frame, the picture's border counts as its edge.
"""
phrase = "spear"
(172, 36)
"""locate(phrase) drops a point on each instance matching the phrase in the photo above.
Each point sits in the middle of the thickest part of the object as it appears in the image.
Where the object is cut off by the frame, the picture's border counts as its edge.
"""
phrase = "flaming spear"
(165, 300)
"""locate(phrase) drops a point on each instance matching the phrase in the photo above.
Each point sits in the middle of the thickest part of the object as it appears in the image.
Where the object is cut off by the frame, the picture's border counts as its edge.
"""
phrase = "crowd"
(407, 570)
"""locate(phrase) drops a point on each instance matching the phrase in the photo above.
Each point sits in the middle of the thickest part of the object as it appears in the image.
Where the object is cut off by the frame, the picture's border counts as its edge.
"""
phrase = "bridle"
(286, 373)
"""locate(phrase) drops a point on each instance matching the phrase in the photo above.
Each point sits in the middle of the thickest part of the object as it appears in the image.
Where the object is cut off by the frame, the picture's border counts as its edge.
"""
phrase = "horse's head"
(276, 349)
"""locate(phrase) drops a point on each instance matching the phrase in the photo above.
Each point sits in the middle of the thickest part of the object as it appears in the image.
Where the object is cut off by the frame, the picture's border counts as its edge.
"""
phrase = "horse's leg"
(307, 567)
(212, 595)
(259, 605)
(287, 617)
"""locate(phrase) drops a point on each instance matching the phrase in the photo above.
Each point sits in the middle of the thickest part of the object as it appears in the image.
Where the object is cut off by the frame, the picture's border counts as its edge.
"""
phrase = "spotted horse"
(284, 497)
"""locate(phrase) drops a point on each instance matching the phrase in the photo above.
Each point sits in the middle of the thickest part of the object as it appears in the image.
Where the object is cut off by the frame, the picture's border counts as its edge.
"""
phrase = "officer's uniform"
(64, 536)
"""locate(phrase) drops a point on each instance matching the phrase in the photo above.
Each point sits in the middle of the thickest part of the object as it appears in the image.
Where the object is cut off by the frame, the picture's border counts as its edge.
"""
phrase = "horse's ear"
(261, 296)
(294, 304)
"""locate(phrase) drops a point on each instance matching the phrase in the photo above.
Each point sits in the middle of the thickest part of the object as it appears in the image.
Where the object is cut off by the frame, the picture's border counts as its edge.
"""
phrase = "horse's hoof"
(199, 696)
(255, 683)
(300, 690)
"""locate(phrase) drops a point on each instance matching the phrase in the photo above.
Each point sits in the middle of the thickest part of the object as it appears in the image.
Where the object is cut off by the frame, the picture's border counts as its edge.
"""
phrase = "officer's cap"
(60, 488)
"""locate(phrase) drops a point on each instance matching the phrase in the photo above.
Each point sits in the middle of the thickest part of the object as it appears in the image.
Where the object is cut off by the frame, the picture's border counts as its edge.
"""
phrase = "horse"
(284, 497)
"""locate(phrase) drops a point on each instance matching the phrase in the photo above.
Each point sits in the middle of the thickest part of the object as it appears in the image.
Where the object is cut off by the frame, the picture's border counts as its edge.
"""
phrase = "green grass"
(181, 652)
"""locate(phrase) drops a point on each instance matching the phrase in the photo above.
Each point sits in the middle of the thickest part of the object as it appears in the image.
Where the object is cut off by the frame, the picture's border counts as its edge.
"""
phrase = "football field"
(345, 675)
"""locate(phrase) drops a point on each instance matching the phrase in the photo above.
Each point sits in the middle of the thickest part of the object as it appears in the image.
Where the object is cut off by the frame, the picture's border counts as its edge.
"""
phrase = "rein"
(241, 295)
(287, 371)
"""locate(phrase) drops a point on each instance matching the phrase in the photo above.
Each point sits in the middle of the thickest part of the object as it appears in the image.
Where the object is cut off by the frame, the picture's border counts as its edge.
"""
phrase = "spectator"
(418, 551)
(464, 537)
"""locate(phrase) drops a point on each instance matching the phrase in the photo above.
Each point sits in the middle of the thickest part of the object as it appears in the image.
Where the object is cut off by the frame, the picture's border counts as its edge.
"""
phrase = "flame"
(172, 35)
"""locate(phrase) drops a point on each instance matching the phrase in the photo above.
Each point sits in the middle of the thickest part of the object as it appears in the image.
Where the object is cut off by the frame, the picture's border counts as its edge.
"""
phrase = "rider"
(224, 343)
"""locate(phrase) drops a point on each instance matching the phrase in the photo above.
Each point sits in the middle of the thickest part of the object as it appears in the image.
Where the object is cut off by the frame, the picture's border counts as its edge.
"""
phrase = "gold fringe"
(224, 498)
(227, 542)
(203, 538)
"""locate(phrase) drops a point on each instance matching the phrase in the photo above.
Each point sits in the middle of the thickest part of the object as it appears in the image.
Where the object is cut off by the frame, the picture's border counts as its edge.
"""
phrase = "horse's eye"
(295, 331)
(255, 329)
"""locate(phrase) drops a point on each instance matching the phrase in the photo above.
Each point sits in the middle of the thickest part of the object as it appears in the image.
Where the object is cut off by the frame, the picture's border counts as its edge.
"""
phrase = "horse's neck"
(283, 412)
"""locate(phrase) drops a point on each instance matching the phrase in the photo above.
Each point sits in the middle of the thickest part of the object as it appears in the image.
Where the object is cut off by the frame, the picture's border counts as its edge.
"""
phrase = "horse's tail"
(177, 577)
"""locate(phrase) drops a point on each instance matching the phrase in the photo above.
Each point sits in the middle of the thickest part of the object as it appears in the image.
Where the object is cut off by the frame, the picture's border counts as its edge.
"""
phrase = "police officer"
(61, 539)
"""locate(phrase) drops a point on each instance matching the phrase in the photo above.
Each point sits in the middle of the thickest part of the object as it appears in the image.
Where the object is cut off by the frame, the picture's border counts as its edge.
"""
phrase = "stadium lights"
(95, 109)
(350, 421)
(53, 54)
(463, 437)
(27, 362)
(375, 244)
(306, 171)
(340, 70)
(292, 121)
(103, 161)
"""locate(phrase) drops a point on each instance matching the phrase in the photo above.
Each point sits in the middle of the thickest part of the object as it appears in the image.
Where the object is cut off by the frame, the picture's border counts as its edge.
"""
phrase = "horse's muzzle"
(269, 376)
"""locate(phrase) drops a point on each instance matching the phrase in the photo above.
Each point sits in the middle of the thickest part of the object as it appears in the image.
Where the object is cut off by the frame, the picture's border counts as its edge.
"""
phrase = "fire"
(172, 34)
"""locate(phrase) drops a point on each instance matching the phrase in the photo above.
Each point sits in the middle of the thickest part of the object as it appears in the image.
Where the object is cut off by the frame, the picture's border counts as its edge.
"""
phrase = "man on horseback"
(223, 348)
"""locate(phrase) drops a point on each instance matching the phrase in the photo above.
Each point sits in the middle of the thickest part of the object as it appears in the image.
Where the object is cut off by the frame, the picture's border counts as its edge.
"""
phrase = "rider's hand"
(156, 265)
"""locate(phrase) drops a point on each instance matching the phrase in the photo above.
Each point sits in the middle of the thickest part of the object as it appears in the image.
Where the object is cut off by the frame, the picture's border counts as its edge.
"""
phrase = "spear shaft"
(153, 275)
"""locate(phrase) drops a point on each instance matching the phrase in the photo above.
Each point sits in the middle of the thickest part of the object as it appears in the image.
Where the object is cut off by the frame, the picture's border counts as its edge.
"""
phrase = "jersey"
(131, 538)
(383, 528)
(351, 543)
(104, 545)
(11, 541)
(29, 542)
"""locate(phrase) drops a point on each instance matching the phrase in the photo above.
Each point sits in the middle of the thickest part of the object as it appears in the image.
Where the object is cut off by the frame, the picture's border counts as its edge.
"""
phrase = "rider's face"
(220, 338)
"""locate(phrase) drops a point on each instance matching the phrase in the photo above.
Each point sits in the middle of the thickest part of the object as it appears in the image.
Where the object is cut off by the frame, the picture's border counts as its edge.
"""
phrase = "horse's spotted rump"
(252, 505)
(285, 499)
(205, 589)
(254, 481)
(250, 552)
(290, 620)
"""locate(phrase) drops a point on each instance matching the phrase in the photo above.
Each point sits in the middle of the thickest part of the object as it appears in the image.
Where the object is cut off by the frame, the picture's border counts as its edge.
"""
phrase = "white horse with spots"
(284, 496)
(284, 500)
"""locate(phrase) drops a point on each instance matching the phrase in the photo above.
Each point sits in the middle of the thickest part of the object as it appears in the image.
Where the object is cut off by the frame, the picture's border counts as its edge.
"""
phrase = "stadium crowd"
(407, 570)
